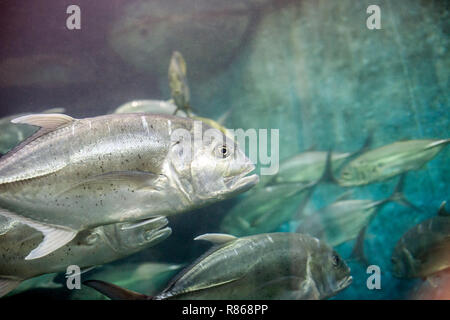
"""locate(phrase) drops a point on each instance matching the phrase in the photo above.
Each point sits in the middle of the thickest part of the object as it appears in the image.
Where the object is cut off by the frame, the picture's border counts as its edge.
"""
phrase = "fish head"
(347, 175)
(329, 270)
(126, 238)
(403, 263)
(212, 167)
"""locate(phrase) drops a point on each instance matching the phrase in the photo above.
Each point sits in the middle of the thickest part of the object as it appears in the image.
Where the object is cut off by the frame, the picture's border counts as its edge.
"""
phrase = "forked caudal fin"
(115, 292)
(358, 250)
(398, 196)
(54, 236)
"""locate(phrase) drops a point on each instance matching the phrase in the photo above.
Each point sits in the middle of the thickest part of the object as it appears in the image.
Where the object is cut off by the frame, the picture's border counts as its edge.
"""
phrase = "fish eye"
(336, 260)
(223, 151)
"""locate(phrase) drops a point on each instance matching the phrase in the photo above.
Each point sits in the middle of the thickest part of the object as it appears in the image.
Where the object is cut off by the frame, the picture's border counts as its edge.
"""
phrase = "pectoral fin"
(54, 236)
(8, 285)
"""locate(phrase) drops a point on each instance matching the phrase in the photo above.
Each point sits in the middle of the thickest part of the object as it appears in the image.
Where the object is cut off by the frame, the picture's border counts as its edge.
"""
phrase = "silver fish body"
(90, 247)
(388, 161)
(114, 168)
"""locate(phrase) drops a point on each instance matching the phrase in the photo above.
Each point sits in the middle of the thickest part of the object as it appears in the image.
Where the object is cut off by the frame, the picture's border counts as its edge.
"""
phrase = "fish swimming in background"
(263, 266)
(266, 209)
(179, 104)
(166, 107)
(388, 161)
(179, 88)
(12, 134)
(424, 250)
(306, 167)
(76, 174)
(150, 106)
(89, 248)
(345, 219)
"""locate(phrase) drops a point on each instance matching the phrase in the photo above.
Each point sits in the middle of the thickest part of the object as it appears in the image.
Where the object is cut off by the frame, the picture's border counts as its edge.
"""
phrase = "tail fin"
(358, 250)
(327, 175)
(115, 292)
(398, 196)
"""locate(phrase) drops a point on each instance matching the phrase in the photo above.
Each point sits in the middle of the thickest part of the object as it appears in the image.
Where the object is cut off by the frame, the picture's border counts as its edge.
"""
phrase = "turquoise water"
(311, 69)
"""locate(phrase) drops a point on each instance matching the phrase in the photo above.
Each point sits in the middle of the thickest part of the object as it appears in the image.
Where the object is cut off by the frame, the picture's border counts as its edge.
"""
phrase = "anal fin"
(54, 236)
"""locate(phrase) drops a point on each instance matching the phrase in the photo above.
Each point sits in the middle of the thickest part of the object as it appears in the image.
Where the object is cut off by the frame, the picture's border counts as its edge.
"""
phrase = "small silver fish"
(89, 248)
(388, 161)
(424, 249)
(263, 266)
(307, 167)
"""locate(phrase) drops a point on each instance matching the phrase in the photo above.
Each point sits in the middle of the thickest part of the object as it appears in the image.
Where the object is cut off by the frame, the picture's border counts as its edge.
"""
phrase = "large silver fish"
(266, 209)
(264, 266)
(75, 174)
(90, 247)
(424, 249)
(388, 161)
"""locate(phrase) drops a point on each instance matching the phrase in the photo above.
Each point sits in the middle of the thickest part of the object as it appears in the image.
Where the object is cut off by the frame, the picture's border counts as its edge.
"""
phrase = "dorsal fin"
(216, 238)
(49, 121)
(442, 212)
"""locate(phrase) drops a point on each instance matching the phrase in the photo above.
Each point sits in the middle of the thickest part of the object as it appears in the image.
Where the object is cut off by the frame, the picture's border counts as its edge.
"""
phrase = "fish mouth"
(154, 237)
(344, 283)
(149, 231)
(243, 181)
